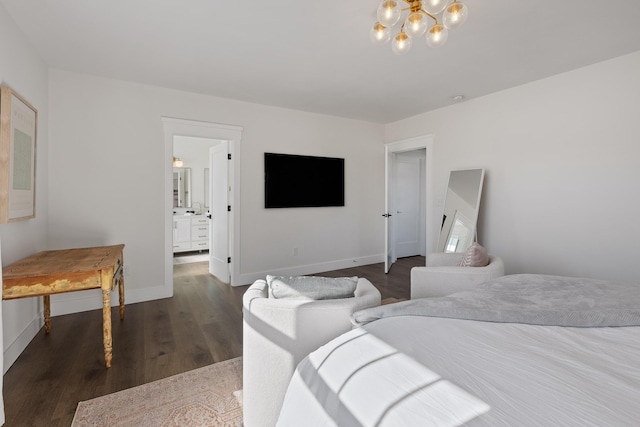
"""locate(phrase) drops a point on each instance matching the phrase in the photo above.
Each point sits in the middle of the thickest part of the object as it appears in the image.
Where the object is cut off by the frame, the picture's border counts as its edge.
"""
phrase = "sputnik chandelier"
(416, 23)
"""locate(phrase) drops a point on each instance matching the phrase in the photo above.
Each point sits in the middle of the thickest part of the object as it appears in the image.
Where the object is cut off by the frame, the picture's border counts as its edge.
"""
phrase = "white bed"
(420, 370)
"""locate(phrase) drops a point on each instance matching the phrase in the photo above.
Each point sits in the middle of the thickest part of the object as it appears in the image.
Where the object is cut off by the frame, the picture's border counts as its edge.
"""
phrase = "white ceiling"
(315, 55)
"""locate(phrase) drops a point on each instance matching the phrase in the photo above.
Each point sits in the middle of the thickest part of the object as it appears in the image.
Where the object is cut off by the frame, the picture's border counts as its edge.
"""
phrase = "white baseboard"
(248, 278)
(76, 302)
(16, 348)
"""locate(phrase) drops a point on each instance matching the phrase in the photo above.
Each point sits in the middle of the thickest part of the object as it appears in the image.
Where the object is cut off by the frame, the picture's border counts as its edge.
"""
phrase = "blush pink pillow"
(475, 256)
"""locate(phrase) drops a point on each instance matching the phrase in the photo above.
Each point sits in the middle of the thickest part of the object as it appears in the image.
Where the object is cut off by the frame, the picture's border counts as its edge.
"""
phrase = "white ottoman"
(443, 275)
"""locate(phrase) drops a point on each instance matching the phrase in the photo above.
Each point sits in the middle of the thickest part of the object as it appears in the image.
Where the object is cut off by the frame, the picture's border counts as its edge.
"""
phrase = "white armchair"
(443, 275)
(279, 333)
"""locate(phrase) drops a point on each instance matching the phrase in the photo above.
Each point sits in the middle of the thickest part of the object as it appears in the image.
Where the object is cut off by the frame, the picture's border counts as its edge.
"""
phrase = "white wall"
(23, 70)
(107, 174)
(562, 168)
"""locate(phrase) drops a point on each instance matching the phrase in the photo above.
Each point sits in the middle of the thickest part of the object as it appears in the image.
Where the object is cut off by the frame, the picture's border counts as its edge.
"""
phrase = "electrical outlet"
(295, 251)
(126, 269)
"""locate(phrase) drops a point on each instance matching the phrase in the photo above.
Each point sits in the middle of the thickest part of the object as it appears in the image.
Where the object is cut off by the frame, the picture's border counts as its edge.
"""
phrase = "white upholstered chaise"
(279, 333)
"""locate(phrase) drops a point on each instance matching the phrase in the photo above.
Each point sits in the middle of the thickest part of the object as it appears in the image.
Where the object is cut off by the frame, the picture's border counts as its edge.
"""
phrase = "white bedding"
(420, 371)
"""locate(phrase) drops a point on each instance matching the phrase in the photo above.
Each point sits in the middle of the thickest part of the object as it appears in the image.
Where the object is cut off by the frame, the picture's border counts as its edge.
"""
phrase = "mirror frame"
(452, 216)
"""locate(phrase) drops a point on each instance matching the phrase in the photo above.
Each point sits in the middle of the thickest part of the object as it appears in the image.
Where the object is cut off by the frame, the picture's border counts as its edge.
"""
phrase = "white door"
(389, 246)
(219, 224)
(406, 184)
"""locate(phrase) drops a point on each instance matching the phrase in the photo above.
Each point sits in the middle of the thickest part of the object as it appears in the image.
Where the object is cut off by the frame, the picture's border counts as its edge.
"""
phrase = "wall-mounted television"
(293, 181)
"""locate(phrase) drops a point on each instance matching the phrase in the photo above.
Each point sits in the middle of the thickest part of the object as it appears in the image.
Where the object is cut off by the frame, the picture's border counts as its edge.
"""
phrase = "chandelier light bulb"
(437, 35)
(401, 44)
(380, 34)
(389, 13)
(416, 24)
(434, 7)
(455, 15)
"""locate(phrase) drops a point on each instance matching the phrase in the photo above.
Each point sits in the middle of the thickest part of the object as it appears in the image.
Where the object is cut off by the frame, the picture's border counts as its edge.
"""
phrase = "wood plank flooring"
(200, 325)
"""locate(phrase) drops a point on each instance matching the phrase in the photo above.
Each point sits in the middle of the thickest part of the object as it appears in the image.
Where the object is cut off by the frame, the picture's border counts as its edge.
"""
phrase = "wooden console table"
(69, 270)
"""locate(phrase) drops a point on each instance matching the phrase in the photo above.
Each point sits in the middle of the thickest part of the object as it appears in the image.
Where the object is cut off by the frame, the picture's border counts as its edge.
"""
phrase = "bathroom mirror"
(460, 214)
(181, 187)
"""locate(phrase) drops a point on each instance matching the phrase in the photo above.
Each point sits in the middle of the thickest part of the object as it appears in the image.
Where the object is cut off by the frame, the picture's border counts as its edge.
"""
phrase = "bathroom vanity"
(190, 233)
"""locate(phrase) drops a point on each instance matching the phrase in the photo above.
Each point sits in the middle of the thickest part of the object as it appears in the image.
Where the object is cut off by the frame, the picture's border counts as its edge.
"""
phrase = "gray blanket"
(527, 298)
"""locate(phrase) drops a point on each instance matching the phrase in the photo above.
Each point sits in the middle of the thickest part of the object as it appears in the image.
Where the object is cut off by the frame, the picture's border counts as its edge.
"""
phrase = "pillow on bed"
(311, 287)
(475, 256)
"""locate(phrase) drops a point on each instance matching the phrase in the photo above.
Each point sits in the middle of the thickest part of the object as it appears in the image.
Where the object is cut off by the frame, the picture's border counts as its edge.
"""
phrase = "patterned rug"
(209, 396)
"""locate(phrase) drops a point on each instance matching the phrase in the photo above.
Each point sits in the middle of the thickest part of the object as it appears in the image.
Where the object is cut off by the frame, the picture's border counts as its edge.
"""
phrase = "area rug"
(209, 396)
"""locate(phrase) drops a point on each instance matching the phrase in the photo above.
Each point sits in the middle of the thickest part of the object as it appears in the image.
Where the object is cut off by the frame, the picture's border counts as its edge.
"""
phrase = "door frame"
(411, 144)
(193, 128)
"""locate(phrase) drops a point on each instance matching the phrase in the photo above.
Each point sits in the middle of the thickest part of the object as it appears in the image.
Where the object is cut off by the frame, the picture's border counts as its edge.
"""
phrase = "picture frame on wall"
(18, 132)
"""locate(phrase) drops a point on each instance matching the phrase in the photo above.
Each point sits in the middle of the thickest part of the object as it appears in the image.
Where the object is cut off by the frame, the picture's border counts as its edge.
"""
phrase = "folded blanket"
(527, 298)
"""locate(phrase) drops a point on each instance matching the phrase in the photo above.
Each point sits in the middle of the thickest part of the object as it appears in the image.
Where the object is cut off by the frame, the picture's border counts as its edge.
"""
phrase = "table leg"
(47, 313)
(106, 326)
(121, 290)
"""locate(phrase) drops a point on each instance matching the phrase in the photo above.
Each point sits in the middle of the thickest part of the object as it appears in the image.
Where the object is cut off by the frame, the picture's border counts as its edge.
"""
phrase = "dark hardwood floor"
(200, 325)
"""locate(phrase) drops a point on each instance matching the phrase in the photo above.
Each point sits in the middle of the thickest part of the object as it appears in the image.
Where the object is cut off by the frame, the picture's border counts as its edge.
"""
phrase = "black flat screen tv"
(293, 181)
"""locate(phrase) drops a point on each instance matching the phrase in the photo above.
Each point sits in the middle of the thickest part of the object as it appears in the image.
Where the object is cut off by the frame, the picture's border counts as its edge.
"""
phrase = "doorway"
(232, 135)
(191, 205)
(409, 228)
(409, 202)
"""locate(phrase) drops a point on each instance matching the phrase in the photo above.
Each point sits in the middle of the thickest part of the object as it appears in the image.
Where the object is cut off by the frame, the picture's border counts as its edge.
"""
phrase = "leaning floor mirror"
(461, 206)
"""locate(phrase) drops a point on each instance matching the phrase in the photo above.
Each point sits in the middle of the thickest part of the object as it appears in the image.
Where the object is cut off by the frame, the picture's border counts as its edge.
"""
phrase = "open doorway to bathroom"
(191, 185)
(224, 197)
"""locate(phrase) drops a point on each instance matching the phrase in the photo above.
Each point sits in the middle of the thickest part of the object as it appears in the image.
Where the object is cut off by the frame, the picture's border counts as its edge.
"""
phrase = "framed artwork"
(18, 125)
